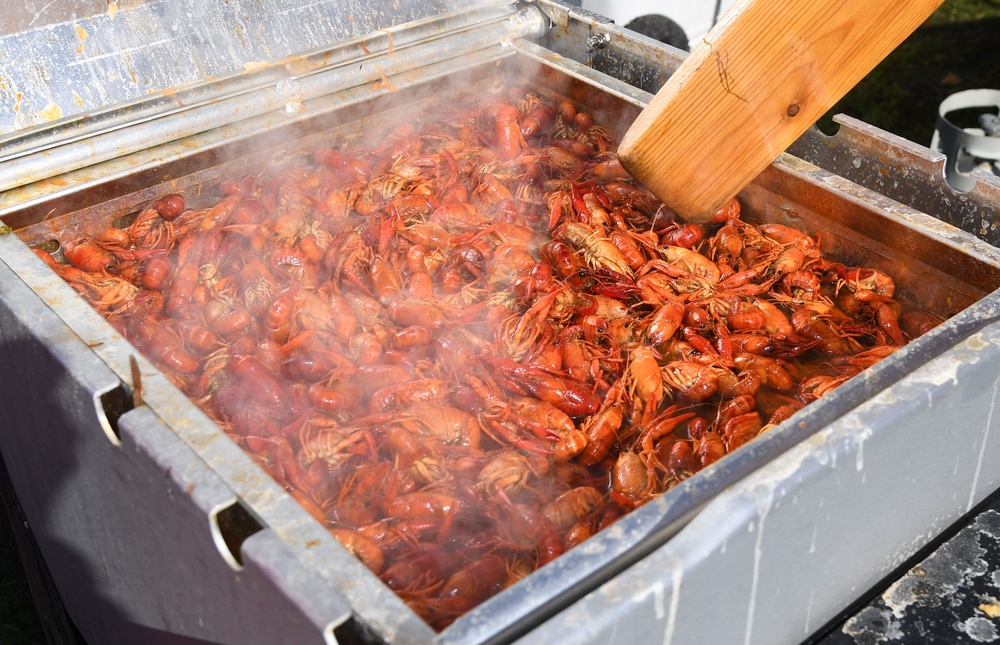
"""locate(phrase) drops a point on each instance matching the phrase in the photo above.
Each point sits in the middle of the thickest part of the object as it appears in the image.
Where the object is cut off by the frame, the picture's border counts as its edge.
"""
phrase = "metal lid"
(64, 60)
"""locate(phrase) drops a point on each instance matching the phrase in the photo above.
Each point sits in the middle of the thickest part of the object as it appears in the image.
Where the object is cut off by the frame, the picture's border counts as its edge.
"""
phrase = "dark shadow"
(661, 28)
(19, 619)
(43, 414)
(26, 410)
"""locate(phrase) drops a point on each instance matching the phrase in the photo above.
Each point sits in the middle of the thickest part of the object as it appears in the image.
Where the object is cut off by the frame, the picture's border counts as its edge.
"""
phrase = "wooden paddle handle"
(759, 79)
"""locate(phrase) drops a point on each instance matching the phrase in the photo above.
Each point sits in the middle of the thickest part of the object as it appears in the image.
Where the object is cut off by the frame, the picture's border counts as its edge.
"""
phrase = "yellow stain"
(51, 112)
(81, 33)
(255, 65)
(991, 610)
(112, 9)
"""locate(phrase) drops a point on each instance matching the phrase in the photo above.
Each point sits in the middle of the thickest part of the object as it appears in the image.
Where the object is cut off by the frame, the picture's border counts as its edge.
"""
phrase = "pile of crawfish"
(468, 347)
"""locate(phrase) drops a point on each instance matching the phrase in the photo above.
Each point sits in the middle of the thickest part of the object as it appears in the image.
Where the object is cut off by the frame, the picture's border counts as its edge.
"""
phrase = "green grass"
(18, 624)
(955, 50)
(964, 10)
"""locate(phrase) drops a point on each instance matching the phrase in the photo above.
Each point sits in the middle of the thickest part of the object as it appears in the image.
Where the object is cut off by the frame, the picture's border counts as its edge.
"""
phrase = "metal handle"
(231, 524)
(964, 146)
(110, 405)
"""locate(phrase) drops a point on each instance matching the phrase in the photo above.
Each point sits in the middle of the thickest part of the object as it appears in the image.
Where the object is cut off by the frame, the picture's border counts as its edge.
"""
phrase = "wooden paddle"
(756, 82)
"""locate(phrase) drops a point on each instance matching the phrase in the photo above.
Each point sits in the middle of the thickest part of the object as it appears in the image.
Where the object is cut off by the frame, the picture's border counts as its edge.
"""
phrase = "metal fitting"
(597, 41)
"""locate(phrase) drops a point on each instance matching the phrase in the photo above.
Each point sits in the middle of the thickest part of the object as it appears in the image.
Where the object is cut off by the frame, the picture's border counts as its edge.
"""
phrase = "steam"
(158, 57)
(372, 108)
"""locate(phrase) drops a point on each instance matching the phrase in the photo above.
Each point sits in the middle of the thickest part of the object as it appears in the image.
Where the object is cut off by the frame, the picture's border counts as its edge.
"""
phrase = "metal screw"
(597, 41)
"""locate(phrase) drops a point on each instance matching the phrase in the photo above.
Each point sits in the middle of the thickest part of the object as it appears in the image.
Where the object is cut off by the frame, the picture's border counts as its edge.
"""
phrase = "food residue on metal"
(136, 381)
(385, 83)
(51, 112)
(82, 34)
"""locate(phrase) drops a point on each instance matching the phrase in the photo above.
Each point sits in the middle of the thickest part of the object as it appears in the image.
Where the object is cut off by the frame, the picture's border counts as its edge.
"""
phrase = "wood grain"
(757, 81)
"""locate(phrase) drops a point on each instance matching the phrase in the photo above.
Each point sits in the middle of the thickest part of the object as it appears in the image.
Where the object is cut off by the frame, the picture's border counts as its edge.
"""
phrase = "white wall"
(695, 16)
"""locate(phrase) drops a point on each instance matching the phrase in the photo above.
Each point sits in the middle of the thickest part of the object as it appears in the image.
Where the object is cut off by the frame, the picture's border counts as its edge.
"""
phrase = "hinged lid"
(63, 60)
